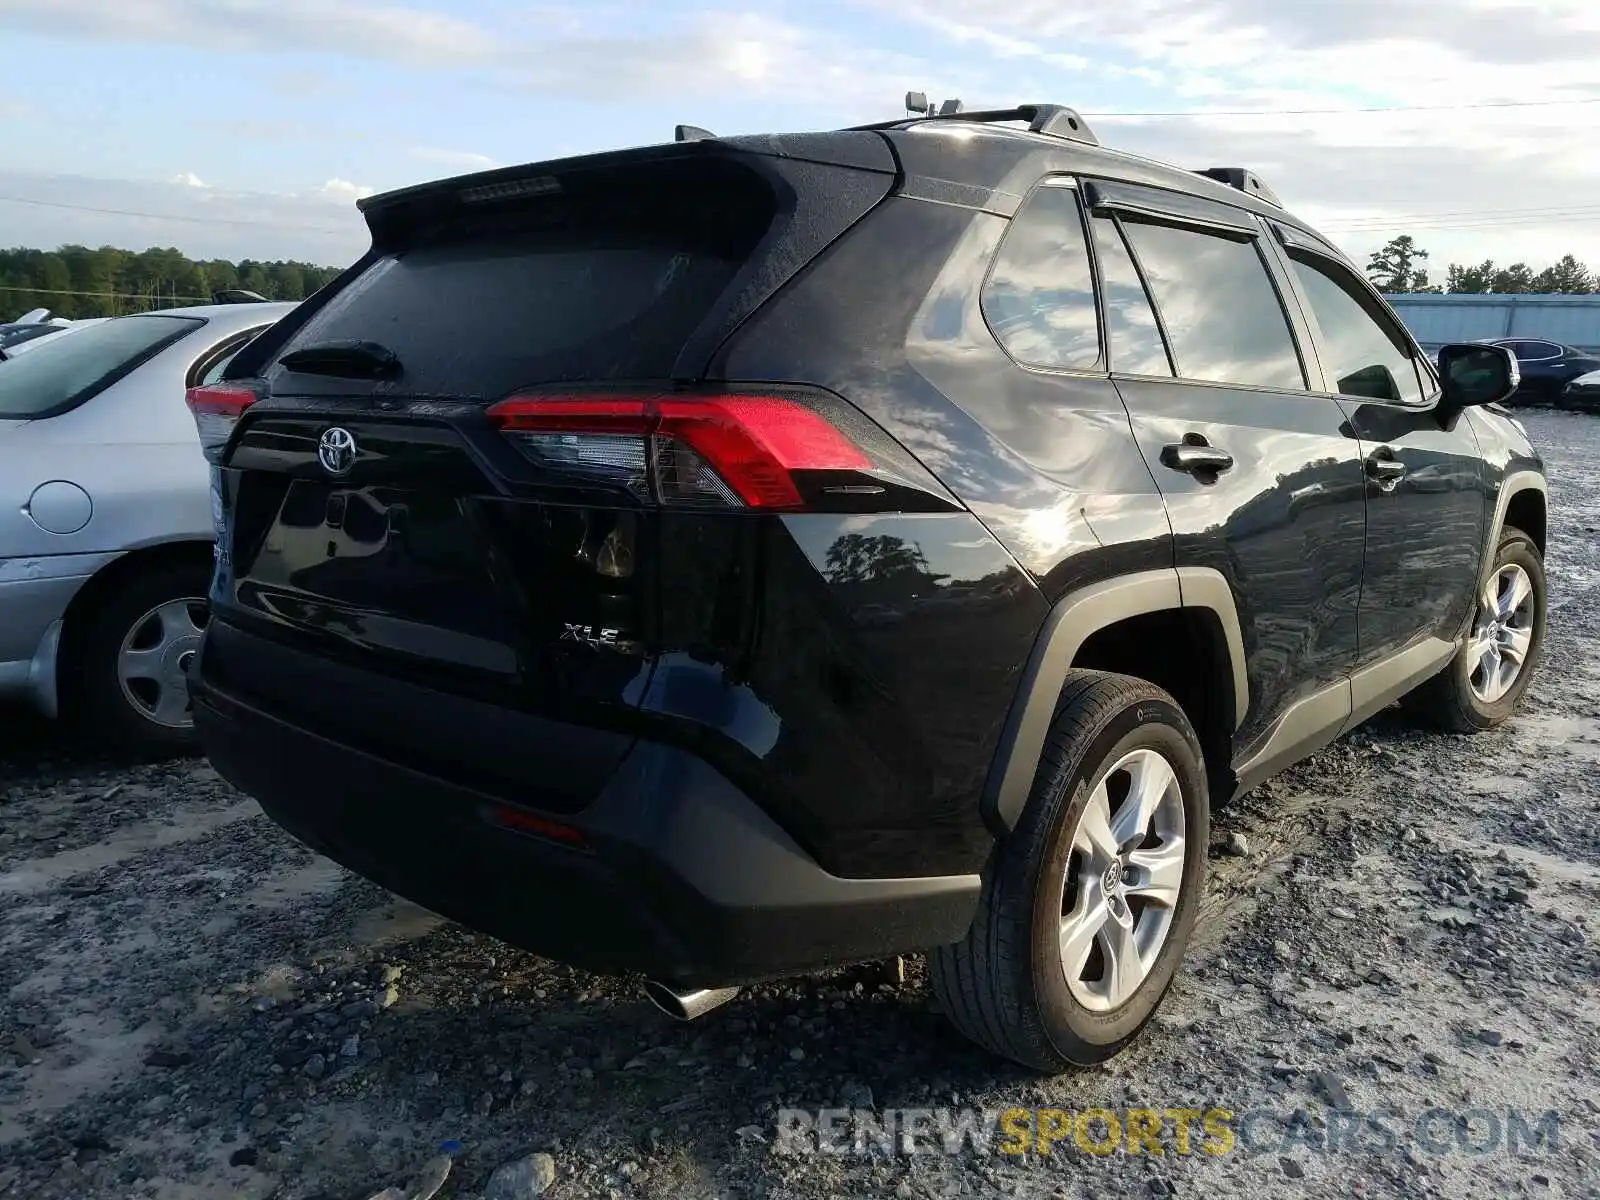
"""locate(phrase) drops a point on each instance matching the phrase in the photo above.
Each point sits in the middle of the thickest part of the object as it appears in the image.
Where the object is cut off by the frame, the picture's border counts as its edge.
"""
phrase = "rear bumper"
(680, 877)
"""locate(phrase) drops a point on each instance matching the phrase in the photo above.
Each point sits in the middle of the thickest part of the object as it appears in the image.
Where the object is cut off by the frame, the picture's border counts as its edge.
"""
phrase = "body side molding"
(1377, 686)
(1075, 619)
(1308, 725)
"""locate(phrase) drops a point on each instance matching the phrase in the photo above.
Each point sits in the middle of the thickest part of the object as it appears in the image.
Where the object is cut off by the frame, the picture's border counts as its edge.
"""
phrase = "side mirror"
(1474, 375)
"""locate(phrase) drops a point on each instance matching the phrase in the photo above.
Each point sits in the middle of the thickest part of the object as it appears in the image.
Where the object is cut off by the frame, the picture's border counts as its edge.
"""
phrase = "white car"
(105, 518)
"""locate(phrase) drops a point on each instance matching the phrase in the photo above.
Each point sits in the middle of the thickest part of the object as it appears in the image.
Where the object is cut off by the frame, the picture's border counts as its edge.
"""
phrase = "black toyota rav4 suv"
(743, 556)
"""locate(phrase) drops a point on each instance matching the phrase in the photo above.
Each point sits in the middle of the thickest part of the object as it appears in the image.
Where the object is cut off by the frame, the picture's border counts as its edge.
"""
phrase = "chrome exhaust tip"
(686, 1006)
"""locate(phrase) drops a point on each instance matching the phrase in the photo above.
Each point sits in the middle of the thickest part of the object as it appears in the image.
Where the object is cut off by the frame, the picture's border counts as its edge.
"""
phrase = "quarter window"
(1223, 317)
(1039, 300)
(1136, 345)
(1364, 355)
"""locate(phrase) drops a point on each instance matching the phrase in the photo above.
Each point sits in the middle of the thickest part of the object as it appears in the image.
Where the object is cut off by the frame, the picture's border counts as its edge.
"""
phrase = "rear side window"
(1136, 345)
(1039, 300)
(1222, 314)
(605, 287)
(67, 371)
(1364, 357)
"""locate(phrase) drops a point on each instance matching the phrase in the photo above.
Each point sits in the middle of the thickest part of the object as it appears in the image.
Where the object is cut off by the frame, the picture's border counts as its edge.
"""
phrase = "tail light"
(217, 410)
(746, 450)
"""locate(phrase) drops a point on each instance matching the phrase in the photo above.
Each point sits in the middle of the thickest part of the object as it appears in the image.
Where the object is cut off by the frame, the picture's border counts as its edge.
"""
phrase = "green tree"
(1513, 280)
(1398, 266)
(1471, 280)
(75, 281)
(1568, 277)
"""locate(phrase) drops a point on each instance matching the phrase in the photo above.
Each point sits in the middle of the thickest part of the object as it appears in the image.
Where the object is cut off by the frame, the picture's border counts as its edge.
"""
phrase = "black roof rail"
(1056, 120)
(1245, 180)
(692, 133)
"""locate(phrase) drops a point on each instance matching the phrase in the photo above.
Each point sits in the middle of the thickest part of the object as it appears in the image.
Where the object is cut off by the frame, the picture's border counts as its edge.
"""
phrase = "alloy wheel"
(1123, 880)
(1502, 635)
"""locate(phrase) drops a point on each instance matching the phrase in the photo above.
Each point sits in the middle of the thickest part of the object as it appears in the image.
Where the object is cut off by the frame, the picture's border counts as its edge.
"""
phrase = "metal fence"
(1434, 320)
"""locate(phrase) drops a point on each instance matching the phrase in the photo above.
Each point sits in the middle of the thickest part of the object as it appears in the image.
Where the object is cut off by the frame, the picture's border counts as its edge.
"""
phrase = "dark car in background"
(1582, 394)
(1547, 368)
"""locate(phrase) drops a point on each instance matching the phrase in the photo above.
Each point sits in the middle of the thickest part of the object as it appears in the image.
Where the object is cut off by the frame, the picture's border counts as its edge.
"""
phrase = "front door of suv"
(1261, 477)
(1426, 504)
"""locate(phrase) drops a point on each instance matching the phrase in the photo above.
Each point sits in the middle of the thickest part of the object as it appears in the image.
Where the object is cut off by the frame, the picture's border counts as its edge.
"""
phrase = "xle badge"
(591, 635)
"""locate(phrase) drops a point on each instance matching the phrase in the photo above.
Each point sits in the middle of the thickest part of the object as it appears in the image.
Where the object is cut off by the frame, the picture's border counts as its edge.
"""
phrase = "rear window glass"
(65, 372)
(607, 289)
(15, 335)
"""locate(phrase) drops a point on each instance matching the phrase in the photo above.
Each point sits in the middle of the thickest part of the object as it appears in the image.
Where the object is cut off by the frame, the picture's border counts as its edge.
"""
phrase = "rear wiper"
(344, 359)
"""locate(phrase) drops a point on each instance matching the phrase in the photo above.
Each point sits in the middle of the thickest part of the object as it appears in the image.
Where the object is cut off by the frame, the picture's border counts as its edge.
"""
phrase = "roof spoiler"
(1244, 180)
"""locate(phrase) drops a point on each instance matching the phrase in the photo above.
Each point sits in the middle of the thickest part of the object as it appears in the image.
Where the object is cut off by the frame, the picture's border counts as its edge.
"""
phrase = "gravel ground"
(197, 1007)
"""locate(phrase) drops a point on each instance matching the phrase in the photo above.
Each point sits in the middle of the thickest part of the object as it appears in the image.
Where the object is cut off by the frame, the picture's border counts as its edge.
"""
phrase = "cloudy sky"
(247, 127)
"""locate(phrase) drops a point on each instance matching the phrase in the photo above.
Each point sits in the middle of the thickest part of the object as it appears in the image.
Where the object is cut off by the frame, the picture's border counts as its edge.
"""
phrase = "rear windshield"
(66, 371)
(15, 335)
(578, 288)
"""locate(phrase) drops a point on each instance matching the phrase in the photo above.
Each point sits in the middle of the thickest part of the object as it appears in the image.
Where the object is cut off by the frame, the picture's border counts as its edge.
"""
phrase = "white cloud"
(455, 160)
(343, 191)
(412, 35)
(572, 52)
(1366, 176)
(189, 179)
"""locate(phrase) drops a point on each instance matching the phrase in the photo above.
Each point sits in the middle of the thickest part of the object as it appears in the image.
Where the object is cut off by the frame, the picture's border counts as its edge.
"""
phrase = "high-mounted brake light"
(217, 410)
(739, 450)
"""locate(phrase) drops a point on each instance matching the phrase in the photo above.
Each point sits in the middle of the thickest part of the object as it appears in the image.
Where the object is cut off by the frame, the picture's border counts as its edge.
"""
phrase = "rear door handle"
(1384, 469)
(1195, 456)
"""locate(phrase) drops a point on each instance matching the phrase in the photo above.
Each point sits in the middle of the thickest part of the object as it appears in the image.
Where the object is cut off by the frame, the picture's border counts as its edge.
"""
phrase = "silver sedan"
(105, 519)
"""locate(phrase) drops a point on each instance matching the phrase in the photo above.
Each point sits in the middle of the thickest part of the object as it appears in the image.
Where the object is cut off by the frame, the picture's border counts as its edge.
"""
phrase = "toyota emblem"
(336, 451)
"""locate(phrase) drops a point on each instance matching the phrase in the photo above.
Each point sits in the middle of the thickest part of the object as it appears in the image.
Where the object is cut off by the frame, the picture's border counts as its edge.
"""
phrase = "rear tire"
(1037, 980)
(1478, 691)
(128, 669)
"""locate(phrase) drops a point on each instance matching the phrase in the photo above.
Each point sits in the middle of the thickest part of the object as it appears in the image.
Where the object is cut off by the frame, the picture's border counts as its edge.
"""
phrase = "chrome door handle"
(1384, 469)
(1195, 456)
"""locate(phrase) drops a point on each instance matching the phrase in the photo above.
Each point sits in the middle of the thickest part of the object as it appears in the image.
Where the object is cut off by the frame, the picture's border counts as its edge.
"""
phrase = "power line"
(191, 220)
(1475, 213)
(100, 295)
(1383, 226)
(1328, 112)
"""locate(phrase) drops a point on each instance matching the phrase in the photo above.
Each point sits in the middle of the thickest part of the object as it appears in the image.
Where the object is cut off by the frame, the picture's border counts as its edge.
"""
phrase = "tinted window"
(1358, 349)
(591, 287)
(1136, 346)
(1221, 311)
(66, 371)
(1039, 300)
(1536, 350)
(15, 335)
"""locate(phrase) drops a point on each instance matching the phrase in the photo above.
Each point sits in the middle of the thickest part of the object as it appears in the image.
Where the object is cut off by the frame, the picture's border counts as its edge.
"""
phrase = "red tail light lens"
(737, 450)
(217, 410)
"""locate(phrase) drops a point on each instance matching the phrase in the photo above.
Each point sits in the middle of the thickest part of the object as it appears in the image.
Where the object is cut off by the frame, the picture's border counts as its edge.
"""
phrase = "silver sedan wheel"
(153, 662)
(1123, 880)
(1502, 635)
